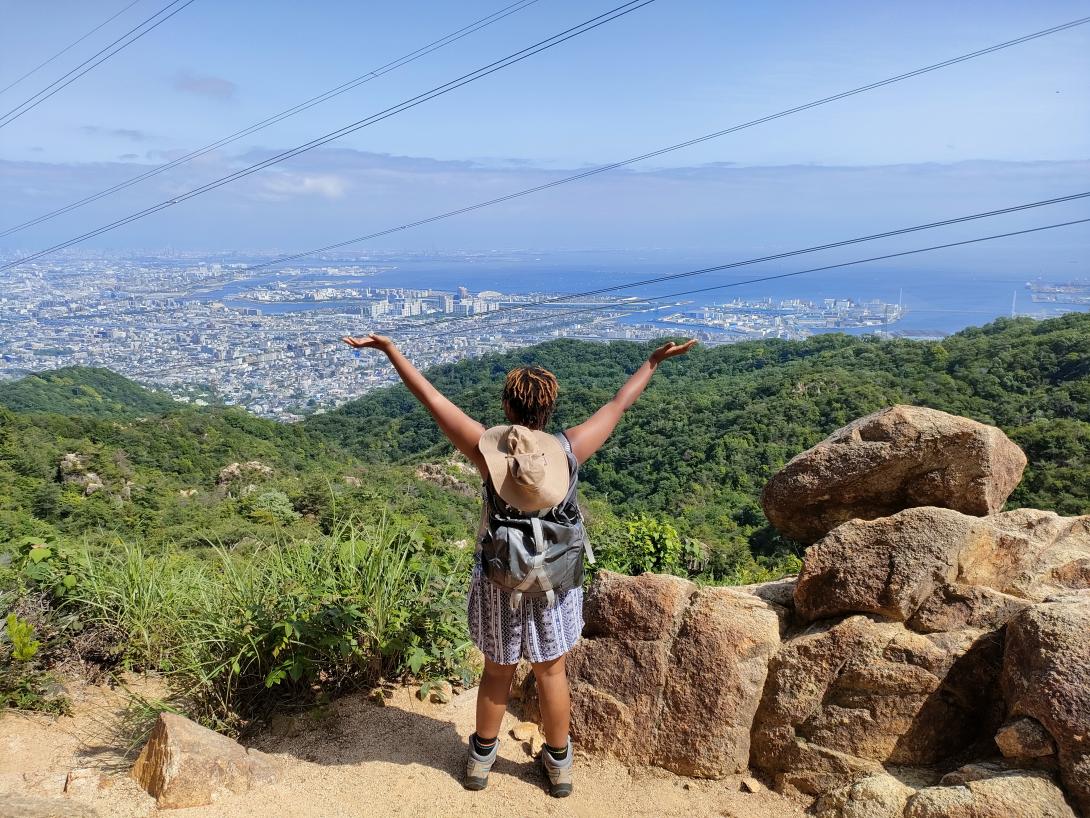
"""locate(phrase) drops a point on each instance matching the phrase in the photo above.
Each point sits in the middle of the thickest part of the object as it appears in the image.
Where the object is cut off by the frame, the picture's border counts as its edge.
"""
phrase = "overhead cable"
(823, 268)
(67, 48)
(465, 79)
(94, 60)
(687, 143)
(780, 256)
(285, 114)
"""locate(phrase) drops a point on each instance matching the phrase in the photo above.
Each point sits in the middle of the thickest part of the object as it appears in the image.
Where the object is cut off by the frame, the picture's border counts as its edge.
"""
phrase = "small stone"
(1024, 738)
(524, 731)
(751, 784)
(442, 693)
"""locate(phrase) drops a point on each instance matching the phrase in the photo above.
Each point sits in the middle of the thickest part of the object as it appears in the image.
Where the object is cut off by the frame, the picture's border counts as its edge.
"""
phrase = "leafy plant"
(24, 647)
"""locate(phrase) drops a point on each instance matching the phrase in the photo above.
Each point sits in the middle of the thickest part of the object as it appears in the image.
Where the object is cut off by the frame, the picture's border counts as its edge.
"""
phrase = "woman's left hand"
(372, 341)
(670, 350)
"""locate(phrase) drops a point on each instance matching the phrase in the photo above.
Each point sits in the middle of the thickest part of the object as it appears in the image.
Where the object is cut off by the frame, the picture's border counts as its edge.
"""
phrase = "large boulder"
(873, 796)
(186, 765)
(942, 569)
(668, 674)
(1046, 677)
(843, 699)
(1030, 554)
(979, 792)
(887, 566)
(897, 458)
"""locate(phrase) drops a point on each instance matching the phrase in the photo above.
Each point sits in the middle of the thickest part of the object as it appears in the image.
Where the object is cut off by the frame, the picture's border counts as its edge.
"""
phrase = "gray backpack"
(536, 554)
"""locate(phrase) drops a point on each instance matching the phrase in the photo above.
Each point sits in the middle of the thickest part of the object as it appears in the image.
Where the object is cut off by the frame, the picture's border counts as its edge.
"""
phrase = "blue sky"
(1005, 128)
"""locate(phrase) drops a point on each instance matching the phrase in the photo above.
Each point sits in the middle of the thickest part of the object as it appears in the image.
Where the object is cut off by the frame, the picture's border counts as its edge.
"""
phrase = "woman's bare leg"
(555, 698)
(492, 696)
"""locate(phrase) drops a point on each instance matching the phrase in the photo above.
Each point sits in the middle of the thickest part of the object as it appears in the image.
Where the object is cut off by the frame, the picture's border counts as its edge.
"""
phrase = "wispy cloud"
(290, 184)
(204, 85)
(131, 134)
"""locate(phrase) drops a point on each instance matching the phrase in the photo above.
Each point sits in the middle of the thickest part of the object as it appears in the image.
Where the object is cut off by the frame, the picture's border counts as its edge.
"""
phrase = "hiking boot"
(478, 766)
(558, 772)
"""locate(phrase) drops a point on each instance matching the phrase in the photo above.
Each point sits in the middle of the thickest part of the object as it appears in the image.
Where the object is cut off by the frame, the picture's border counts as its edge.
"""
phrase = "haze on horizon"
(1007, 128)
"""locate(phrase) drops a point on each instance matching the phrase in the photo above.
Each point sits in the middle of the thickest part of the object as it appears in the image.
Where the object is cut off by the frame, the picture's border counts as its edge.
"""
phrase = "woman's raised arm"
(588, 436)
(462, 430)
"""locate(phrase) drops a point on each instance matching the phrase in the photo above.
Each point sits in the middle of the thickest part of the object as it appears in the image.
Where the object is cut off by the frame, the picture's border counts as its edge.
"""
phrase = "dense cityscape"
(221, 332)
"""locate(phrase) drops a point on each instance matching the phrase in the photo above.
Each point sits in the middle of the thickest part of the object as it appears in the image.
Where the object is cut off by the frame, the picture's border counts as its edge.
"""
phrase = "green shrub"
(237, 634)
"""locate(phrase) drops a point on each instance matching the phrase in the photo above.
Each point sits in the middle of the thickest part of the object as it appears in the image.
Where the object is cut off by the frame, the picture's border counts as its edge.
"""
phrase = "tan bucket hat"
(528, 468)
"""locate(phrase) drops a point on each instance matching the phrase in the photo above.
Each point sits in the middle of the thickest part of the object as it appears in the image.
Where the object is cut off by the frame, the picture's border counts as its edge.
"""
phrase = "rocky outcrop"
(453, 475)
(186, 765)
(897, 458)
(935, 558)
(72, 470)
(980, 792)
(669, 674)
(878, 795)
(1046, 677)
(844, 699)
(973, 791)
(926, 629)
(250, 470)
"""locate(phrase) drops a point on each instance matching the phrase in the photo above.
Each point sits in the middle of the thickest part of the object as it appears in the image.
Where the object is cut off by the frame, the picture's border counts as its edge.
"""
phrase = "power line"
(777, 256)
(68, 79)
(289, 112)
(67, 48)
(735, 264)
(465, 79)
(688, 143)
(786, 275)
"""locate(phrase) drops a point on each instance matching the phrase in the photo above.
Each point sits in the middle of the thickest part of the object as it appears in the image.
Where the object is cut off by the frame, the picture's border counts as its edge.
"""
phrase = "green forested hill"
(339, 563)
(714, 425)
(83, 391)
(158, 477)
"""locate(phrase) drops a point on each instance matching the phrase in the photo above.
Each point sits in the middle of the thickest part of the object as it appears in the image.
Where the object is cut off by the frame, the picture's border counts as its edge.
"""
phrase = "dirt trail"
(355, 759)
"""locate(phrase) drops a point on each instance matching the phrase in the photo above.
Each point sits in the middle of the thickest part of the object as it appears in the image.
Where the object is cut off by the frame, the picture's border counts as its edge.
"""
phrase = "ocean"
(938, 301)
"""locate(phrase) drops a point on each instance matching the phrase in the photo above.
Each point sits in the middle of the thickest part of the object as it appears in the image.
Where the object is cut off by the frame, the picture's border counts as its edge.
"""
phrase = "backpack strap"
(573, 469)
(537, 573)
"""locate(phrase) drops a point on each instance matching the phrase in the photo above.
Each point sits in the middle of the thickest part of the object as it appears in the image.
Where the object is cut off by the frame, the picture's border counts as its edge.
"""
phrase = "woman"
(531, 628)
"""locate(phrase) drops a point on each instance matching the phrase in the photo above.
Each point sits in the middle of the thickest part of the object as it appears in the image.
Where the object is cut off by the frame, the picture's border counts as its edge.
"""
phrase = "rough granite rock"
(1046, 676)
(1030, 554)
(1007, 794)
(897, 458)
(887, 566)
(1024, 738)
(845, 698)
(873, 796)
(943, 568)
(668, 674)
(186, 765)
(953, 606)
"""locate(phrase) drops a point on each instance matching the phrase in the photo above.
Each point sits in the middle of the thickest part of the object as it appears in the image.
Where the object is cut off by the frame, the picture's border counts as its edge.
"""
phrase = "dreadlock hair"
(530, 392)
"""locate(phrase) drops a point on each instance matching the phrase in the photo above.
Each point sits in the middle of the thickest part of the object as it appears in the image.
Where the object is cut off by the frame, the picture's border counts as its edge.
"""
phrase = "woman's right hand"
(670, 350)
(372, 341)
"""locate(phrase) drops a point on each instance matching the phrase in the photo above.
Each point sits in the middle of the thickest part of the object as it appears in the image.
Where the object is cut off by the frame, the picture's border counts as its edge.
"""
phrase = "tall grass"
(237, 634)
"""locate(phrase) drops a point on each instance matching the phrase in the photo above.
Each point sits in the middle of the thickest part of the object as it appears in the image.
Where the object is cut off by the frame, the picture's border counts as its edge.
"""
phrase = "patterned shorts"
(532, 631)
